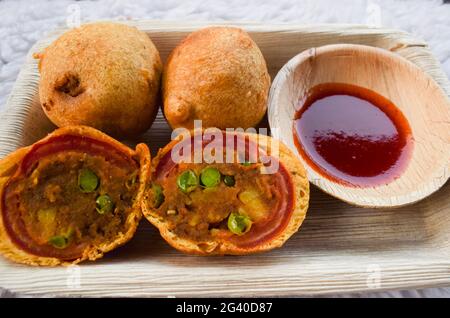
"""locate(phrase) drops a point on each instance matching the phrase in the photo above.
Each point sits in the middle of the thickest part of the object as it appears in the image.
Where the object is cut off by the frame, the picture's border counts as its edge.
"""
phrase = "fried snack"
(70, 197)
(227, 208)
(217, 75)
(103, 75)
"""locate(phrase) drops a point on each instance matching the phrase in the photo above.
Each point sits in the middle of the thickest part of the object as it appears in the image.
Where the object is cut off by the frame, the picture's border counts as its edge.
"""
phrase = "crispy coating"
(301, 202)
(103, 75)
(8, 167)
(218, 75)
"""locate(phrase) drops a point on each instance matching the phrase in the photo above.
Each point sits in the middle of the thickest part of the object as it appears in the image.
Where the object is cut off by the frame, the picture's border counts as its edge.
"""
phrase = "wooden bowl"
(416, 94)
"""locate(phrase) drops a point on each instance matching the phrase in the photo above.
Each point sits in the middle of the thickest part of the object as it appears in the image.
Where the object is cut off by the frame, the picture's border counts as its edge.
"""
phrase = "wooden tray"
(339, 248)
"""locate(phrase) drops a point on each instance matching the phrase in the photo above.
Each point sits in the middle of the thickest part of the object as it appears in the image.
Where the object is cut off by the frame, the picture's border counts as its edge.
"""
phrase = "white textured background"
(22, 22)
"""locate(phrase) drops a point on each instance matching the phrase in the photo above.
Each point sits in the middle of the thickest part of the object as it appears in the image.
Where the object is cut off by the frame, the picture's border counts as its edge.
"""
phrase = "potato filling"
(214, 201)
(72, 198)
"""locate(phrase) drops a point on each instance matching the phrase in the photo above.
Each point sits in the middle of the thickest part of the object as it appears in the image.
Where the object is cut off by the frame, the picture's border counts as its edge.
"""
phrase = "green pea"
(87, 181)
(104, 204)
(187, 181)
(229, 181)
(210, 177)
(239, 223)
(59, 241)
(158, 195)
(246, 163)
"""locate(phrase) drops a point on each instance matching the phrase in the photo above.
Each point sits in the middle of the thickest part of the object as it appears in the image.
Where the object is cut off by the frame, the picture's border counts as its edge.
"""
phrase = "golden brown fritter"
(103, 75)
(268, 231)
(218, 75)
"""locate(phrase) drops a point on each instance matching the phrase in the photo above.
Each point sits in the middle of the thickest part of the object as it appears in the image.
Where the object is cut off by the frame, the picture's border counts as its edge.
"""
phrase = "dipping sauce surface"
(352, 135)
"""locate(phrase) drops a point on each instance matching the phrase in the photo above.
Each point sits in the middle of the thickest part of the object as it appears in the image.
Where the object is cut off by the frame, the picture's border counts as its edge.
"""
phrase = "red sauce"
(352, 135)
